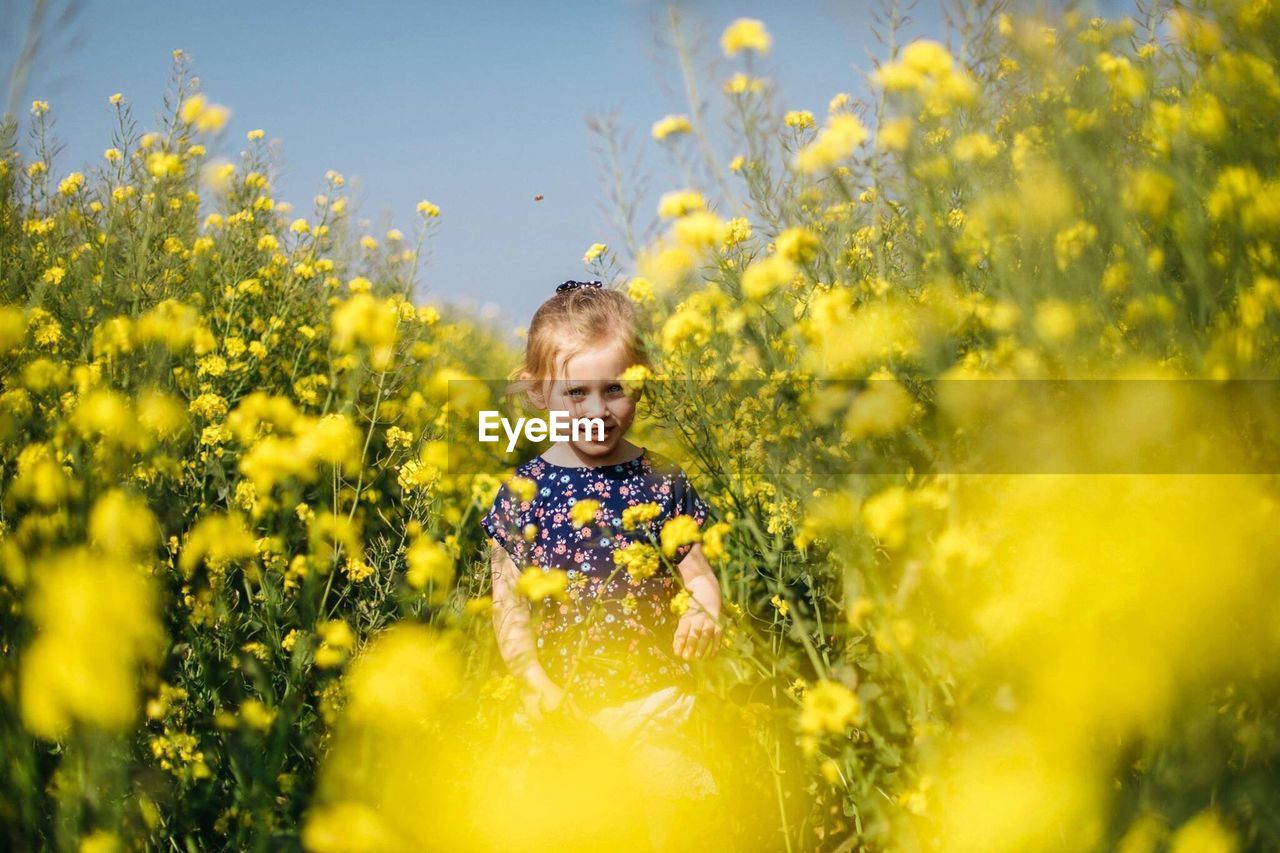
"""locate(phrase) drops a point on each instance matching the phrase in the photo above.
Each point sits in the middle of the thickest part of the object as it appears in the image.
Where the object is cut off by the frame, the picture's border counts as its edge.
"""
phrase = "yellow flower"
(71, 184)
(766, 275)
(638, 560)
(257, 715)
(95, 621)
(357, 569)
(121, 525)
(883, 408)
(895, 134)
(537, 584)
(740, 83)
(428, 209)
(736, 231)
(522, 488)
(680, 203)
(217, 540)
(116, 99)
(39, 108)
(1149, 192)
(679, 531)
(799, 119)
(713, 544)
(798, 244)
(336, 642)
(858, 610)
(699, 230)
(829, 706)
(671, 125)
(745, 34)
(634, 516)
(191, 108)
(640, 290)
(164, 165)
(782, 607)
(595, 251)
(1069, 244)
(1204, 833)
(837, 140)
(428, 561)
(583, 512)
(1127, 81)
(404, 676)
(885, 515)
(1055, 320)
(255, 134)
(974, 148)
(680, 602)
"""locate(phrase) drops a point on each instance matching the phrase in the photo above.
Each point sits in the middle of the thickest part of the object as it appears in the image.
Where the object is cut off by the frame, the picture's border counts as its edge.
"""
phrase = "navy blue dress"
(611, 639)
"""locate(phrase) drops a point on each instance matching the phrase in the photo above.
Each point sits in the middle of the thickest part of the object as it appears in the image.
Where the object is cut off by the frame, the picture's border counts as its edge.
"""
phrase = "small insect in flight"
(538, 197)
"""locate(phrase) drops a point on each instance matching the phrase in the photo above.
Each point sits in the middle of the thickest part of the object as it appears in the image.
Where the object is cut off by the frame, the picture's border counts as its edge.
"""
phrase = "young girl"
(611, 648)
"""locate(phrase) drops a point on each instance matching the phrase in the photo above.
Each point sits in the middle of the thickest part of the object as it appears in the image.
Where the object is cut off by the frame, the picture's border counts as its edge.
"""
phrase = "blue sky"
(476, 106)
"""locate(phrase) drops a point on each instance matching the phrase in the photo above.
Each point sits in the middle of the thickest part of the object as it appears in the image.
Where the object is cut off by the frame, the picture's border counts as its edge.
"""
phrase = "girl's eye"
(615, 388)
(576, 392)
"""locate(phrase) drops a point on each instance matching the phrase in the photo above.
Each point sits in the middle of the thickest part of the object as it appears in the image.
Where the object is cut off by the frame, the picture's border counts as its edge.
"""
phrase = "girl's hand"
(542, 698)
(547, 697)
(697, 635)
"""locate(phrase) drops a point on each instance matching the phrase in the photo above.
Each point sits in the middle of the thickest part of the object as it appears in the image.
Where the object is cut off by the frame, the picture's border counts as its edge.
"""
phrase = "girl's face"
(590, 388)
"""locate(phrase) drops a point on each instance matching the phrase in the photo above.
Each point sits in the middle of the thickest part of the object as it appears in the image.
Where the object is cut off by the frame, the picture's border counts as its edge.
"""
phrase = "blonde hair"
(571, 321)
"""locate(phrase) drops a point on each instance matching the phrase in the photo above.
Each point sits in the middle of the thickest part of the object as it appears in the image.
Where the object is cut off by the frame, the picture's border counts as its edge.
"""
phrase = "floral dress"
(609, 638)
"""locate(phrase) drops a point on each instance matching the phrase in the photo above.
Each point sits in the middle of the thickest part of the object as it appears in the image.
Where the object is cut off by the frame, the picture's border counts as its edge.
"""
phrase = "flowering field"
(244, 602)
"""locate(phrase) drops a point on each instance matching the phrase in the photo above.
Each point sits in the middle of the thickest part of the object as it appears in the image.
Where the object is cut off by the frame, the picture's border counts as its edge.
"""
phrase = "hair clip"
(574, 285)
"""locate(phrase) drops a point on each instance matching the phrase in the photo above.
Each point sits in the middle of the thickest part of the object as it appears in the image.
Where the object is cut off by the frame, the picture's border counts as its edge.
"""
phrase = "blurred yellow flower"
(536, 584)
(427, 561)
(71, 184)
(680, 203)
(837, 140)
(672, 125)
(894, 134)
(164, 165)
(828, 707)
(634, 516)
(679, 531)
(95, 621)
(583, 512)
(336, 642)
(765, 275)
(799, 119)
(638, 559)
(745, 34)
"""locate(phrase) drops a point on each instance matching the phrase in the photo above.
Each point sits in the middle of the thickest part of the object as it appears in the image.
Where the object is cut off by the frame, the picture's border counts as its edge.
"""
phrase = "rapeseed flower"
(745, 34)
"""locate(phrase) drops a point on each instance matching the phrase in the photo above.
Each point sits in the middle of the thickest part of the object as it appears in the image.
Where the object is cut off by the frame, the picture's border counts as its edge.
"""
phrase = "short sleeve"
(504, 523)
(688, 501)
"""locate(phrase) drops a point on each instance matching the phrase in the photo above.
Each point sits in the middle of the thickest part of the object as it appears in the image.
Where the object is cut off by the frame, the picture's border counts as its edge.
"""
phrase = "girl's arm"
(698, 633)
(511, 621)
